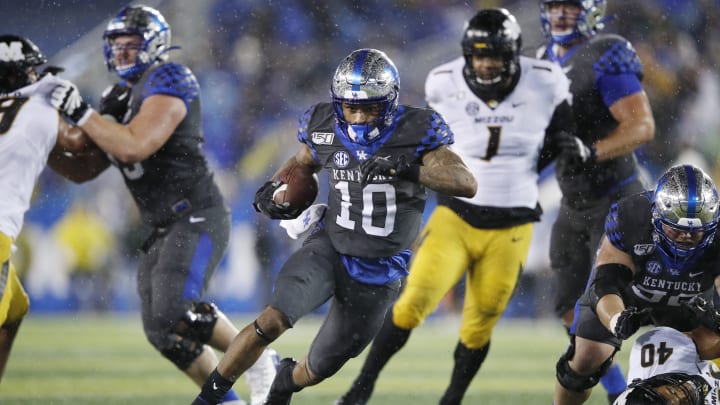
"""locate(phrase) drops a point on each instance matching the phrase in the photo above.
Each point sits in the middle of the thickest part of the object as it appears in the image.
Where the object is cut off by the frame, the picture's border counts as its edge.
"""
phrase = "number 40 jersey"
(500, 142)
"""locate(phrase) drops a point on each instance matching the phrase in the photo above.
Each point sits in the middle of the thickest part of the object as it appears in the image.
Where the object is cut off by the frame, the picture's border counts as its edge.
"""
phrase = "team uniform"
(601, 70)
(657, 283)
(28, 133)
(359, 252)
(489, 234)
(664, 350)
(177, 196)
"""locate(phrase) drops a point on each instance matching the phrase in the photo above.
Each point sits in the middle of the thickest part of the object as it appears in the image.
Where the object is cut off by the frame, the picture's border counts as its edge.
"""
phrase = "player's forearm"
(116, 139)
(625, 139)
(454, 180)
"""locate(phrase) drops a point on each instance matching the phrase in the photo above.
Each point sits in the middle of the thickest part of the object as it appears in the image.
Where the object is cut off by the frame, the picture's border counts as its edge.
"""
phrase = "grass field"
(86, 359)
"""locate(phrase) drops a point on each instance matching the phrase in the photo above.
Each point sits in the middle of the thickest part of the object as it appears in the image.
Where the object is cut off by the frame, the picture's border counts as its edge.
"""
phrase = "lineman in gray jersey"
(157, 145)
(380, 156)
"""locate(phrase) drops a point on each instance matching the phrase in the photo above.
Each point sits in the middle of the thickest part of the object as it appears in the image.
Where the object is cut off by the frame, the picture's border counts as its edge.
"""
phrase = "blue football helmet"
(685, 200)
(18, 58)
(151, 26)
(590, 20)
(366, 76)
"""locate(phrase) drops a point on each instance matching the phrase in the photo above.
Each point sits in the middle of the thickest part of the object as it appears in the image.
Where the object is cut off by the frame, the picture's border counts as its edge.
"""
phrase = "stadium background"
(260, 64)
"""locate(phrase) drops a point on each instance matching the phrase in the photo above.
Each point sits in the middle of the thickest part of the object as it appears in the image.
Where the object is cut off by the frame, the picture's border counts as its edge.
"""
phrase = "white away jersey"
(28, 132)
(501, 146)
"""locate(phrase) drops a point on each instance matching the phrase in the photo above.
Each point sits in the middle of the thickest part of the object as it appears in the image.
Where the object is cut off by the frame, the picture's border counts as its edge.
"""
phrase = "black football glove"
(702, 311)
(574, 150)
(265, 204)
(630, 320)
(383, 166)
(114, 102)
(67, 100)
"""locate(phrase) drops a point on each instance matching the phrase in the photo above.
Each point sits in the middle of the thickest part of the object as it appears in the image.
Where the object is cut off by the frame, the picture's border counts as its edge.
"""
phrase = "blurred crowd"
(261, 63)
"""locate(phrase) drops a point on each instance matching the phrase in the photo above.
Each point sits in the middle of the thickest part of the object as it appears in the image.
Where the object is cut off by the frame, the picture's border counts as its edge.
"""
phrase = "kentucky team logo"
(643, 250)
(472, 108)
(341, 159)
(653, 268)
(322, 138)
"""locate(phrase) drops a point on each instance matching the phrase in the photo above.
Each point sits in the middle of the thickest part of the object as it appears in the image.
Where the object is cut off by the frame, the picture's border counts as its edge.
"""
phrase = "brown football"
(300, 188)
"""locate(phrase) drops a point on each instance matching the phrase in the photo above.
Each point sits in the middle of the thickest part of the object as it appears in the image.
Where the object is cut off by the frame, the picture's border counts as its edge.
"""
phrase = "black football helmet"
(670, 388)
(18, 58)
(493, 32)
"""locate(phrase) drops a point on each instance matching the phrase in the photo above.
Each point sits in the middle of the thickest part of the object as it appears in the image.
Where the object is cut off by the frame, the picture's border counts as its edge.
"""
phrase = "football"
(300, 188)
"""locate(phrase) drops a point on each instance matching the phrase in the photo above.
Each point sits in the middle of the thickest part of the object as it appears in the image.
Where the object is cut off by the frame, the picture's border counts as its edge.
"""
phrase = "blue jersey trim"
(378, 271)
(613, 87)
(196, 275)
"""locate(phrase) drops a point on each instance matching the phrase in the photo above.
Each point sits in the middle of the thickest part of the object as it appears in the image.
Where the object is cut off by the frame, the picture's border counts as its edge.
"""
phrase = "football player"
(658, 263)
(156, 142)
(665, 365)
(380, 156)
(503, 108)
(613, 118)
(32, 135)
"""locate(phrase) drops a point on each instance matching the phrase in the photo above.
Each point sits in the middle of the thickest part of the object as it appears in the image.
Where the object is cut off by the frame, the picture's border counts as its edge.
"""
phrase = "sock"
(214, 390)
(614, 380)
(389, 340)
(231, 396)
(467, 364)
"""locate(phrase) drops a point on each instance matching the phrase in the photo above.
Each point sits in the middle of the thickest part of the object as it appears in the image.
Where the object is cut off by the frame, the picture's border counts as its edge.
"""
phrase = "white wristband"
(613, 322)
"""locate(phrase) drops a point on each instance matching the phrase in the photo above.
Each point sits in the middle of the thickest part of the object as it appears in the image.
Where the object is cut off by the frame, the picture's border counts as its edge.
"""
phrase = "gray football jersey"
(383, 217)
(176, 179)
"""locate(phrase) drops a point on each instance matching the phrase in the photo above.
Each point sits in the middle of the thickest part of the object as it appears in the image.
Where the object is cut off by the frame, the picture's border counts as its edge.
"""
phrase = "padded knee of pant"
(180, 350)
(406, 318)
(573, 381)
(198, 322)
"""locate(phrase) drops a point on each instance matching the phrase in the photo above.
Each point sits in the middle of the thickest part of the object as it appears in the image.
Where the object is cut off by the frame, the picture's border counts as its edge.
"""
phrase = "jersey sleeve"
(302, 134)
(175, 80)
(612, 228)
(618, 71)
(437, 133)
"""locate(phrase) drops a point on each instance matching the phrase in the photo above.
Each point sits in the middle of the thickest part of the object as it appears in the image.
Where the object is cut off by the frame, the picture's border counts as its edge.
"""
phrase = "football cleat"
(284, 371)
(359, 393)
(261, 375)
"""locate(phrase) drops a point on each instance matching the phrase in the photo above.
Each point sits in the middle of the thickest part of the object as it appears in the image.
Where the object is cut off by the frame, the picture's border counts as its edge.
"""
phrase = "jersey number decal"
(493, 143)
(369, 215)
(8, 111)
(650, 355)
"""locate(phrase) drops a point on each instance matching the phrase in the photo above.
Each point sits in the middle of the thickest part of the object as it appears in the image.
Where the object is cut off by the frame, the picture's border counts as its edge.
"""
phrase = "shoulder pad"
(616, 56)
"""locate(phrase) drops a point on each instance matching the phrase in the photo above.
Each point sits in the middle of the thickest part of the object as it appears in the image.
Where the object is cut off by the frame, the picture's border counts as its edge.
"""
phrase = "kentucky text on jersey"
(680, 286)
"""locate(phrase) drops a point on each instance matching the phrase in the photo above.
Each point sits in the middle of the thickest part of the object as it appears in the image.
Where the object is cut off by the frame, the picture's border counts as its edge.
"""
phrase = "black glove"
(382, 166)
(574, 150)
(114, 102)
(702, 311)
(67, 100)
(265, 204)
(630, 320)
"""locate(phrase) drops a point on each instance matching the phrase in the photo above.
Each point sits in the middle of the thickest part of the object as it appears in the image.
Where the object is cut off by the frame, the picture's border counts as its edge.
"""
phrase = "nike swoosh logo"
(194, 220)
(515, 105)
(695, 274)
(515, 239)
(215, 387)
(122, 96)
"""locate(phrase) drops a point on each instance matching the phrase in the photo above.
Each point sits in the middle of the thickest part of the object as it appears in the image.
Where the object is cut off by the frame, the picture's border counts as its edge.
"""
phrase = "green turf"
(106, 360)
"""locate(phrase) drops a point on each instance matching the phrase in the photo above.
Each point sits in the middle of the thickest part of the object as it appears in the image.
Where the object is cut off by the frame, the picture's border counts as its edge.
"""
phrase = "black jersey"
(384, 217)
(584, 65)
(657, 282)
(176, 179)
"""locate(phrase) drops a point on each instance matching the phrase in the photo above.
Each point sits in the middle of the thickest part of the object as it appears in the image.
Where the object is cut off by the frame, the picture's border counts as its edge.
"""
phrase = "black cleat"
(279, 395)
(360, 392)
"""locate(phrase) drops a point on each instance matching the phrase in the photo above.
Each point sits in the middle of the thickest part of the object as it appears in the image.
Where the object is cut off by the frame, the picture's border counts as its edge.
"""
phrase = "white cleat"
(261, 375)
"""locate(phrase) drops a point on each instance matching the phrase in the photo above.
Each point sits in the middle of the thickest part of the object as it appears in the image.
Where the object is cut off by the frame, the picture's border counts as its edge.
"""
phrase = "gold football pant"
(14, 302)
(448, 247)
